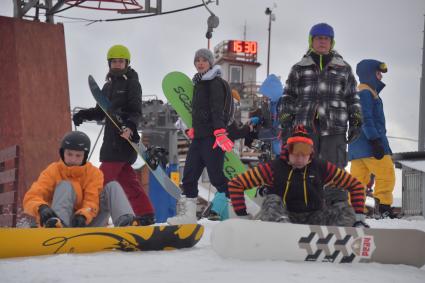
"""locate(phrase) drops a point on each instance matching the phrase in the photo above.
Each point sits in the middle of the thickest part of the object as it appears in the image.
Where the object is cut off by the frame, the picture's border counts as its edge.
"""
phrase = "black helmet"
(75, 140)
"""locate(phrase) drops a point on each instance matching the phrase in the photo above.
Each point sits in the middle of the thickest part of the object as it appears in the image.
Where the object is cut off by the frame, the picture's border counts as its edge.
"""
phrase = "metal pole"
(269, 12)
(268, 48)
(94, 146)
(49, 17)
(421, 143)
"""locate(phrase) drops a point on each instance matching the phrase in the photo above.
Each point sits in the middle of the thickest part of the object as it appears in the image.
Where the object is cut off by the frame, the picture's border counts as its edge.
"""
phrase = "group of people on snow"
(321, 111)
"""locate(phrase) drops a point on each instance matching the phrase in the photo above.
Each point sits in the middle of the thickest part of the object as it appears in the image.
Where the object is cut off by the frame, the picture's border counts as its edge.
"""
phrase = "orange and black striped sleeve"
(339, 178)
(254, 177)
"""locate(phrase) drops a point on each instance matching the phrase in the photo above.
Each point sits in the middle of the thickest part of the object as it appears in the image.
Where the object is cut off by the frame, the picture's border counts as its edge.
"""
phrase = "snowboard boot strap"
(207, 210)
(144, 220)
(214, 216)
(376, 210)
(132, 220)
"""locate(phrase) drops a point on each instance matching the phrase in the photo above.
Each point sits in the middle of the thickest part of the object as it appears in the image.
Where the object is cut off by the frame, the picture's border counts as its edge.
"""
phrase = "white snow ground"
(201, 264)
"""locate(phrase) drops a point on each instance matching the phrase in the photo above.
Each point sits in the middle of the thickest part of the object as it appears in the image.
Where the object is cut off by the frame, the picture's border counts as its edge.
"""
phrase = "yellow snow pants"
(384, 176)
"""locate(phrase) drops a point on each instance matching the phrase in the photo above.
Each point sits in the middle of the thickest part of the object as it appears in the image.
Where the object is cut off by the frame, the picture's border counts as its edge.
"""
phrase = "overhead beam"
(21, 11)
(56, 7)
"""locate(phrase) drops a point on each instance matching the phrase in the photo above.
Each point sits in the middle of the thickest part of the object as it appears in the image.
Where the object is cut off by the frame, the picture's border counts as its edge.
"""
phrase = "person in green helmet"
(123, 90)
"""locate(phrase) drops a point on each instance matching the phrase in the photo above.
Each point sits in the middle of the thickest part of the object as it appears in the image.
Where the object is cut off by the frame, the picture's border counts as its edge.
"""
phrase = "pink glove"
(222, 140)
(190, 133)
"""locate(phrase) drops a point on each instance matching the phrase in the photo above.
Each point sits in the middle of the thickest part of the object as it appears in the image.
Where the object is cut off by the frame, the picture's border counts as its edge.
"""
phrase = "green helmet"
(118, 52)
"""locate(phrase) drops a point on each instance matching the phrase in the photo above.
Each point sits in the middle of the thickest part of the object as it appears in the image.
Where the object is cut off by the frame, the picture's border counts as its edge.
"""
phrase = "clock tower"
(238, 60)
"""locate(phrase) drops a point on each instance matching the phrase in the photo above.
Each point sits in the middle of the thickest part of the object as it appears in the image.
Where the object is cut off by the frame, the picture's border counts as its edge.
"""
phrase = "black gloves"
(377, 149)
(262, 191)
(78, 220)
(286, 119)
(353, 134)
(78, 118)
(355, 120)
(45, 213)
(135, 135)
(124, 122)
(355, 129)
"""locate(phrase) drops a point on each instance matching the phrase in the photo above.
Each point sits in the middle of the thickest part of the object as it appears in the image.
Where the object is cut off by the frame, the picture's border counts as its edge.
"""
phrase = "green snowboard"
(178, 89)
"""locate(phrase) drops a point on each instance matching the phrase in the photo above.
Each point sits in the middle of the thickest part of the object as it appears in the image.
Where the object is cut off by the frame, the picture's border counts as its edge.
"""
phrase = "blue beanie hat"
(322, 29)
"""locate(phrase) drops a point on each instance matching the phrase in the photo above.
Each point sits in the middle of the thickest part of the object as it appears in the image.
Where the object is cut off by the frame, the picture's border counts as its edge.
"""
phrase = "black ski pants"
(332, 148)
(201, 155)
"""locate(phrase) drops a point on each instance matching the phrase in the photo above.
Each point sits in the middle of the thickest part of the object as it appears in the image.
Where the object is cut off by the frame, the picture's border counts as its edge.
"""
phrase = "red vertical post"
(34, 94)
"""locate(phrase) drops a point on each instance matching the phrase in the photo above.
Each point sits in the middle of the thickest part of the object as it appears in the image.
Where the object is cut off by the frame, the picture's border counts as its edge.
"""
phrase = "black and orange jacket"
(300, 189)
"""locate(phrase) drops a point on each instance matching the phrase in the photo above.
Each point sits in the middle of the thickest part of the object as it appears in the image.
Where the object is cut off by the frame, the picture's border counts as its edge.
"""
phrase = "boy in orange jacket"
(71, 193)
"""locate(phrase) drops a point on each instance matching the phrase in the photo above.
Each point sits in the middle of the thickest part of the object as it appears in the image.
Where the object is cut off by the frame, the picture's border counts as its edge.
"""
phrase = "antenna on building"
(244, 31)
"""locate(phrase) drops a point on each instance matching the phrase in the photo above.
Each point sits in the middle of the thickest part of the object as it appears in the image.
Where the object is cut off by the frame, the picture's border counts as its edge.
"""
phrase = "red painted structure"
(34, 94)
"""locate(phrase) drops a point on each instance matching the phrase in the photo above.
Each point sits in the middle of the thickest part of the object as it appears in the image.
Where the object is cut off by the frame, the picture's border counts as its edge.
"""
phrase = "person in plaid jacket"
(321, 94)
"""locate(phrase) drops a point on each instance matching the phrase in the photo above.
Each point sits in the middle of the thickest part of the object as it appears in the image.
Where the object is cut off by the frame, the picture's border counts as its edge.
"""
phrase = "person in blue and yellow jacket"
(371, 152)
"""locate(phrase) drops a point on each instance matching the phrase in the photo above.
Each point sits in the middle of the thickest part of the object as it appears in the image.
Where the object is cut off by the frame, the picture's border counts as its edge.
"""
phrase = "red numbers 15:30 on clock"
(239, 46)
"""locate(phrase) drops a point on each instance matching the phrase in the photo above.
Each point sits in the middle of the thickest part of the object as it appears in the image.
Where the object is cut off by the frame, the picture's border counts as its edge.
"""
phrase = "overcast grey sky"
(387, 30)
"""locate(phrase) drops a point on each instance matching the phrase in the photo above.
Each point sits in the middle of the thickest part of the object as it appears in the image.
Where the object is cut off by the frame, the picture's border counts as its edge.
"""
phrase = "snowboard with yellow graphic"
(20, 242)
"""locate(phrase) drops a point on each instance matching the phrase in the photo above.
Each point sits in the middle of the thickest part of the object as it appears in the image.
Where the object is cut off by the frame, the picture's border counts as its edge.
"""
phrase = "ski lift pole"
(95, 143)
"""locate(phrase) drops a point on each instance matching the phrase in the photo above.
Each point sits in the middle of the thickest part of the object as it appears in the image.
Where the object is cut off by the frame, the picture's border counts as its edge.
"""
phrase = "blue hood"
(366, 70)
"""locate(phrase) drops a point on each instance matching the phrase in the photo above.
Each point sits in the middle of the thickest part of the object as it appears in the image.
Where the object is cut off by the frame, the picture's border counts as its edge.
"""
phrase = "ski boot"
(371, 207)
(219, 207)
(386, 211)
(186, 212)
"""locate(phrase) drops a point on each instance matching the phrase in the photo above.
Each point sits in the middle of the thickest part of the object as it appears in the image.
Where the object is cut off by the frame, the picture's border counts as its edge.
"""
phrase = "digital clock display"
(240, 46)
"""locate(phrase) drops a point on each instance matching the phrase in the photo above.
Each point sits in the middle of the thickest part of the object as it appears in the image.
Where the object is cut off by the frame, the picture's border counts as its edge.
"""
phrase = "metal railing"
(412, 194)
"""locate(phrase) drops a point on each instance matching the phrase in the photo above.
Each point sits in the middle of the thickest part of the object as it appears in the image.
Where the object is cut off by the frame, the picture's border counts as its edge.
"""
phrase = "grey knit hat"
(205, 53)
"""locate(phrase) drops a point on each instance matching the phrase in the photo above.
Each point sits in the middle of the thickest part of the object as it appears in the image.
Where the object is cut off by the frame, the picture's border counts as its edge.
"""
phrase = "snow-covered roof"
(414, 164)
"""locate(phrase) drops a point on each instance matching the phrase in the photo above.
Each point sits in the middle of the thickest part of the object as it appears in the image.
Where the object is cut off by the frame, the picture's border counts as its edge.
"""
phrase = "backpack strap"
(229, 105)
